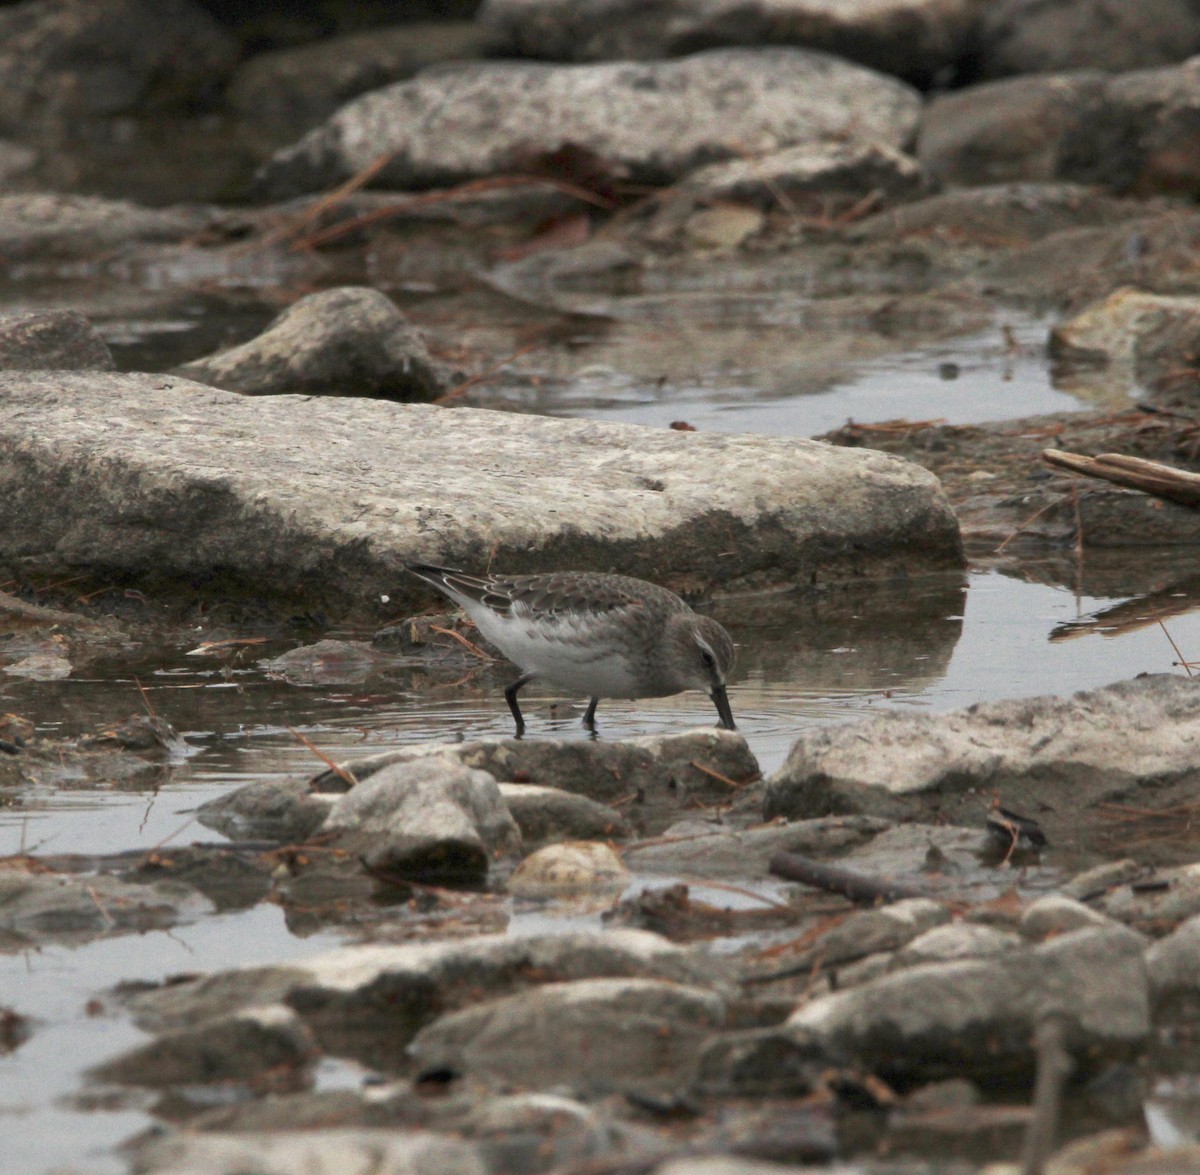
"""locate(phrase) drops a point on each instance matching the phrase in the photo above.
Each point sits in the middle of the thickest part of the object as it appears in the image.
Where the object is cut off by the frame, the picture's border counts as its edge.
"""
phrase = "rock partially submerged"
(597, 1035)
(426, 820)
(978, 1016)
(657, 120)
(652, 778)
(1055, 756)
(367, 1002)
(294, 497)
(341, 342)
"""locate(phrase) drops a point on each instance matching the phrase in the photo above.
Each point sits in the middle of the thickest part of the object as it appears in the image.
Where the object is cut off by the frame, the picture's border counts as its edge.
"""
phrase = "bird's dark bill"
(721, 699)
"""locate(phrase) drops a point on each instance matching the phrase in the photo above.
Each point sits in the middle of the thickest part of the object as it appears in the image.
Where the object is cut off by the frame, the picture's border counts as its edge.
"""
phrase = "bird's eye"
(708, 659)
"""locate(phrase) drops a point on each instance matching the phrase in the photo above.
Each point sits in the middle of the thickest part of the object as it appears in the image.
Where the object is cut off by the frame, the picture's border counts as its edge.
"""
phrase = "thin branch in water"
(1187, 665)
(341, 772)
(470, 646)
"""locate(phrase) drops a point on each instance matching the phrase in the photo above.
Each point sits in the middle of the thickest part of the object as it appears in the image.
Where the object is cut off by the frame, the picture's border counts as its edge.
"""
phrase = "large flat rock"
(157, 479)
(655, 119)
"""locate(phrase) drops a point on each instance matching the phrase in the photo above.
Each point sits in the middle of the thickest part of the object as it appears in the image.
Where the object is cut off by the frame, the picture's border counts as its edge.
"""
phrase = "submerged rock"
(656, 120)
(38, 906)
(341, 342)
(300, 498)
(574, 867)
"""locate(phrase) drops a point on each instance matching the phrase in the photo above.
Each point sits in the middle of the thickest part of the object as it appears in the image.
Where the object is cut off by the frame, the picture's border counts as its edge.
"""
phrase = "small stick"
(462, 640)
(1031, 519)
(325, 202)
(341, 772)
(1186, 665)
(733, 783)
(1054, 1066)
(457, 391)
(858, 887)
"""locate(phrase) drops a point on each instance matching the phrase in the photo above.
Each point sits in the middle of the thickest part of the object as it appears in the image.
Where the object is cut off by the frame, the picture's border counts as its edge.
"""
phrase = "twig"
(858, 887)
(1028, 521)
(459, 389)
(1186, 664)
(1054, 1066)
(731, 783)
(325, 202)
(343, 773)
(447, 196)
(462, 640)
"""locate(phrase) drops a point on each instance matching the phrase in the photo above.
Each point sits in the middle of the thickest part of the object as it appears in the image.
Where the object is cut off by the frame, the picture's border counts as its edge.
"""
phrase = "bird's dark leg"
(510, 696)
(589, 716)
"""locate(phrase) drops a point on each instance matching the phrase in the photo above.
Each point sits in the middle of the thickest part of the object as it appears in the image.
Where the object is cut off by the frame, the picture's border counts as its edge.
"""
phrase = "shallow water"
(949, 643)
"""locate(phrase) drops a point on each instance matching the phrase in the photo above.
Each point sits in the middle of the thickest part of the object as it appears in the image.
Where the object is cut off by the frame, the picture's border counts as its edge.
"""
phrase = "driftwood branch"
(858, 887)
(1135, 473)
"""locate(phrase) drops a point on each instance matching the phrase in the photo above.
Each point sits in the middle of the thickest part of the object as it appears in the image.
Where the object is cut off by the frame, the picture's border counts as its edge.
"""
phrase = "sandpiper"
(600, 636)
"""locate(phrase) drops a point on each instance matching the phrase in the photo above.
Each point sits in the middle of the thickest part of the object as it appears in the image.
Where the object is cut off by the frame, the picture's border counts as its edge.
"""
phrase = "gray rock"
(1046, 36)
(916, 39)
(342, 342)
(1092, 883)
(1006, 131)
(952, 941)
(427, 820)
(977, 1017)
(576, 871)
(167, 478)
(281, 810)
(724, 1165)
(869, 932)
(63, 907)
(538, 1132)
(66, 64)
(852, 169)
(658, 120)
(1014, 212)
(652, 777)
(1138, 135)
(1057, 914)
(595, 1035)
(761, 1062)
(1055, 755)
(47, 225)
(328, 662)
(1174, 897)
(367, 1002)
(1173, 963)
(241, 1049)
(1148, 338)
(550, 814)
(52, 340)
(709, 851)
(315, 1152)
(282, 93)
